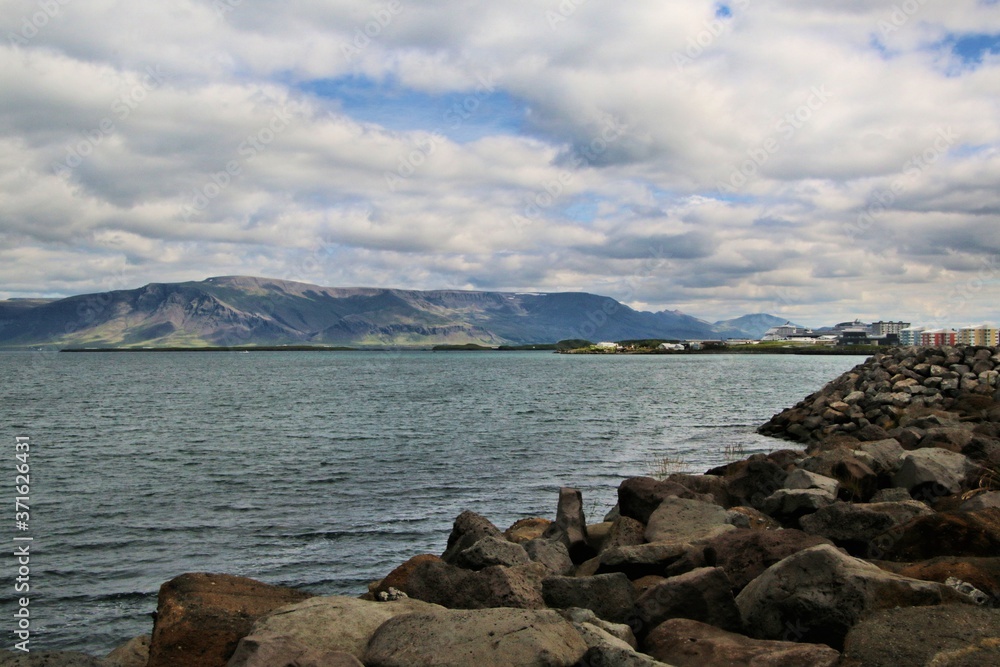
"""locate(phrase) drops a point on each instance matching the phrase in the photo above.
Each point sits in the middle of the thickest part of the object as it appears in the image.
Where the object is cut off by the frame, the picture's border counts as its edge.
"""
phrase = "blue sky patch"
(462, 116)
(973, 48)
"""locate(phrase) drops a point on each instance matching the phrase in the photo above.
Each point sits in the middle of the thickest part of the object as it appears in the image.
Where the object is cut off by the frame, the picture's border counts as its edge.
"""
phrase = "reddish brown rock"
(400, 577)
(983, 573)
(525, 530)
(702, 595)
(745, 554)
(200, 618)
(686, 643)
(944, 534)
(953, 635)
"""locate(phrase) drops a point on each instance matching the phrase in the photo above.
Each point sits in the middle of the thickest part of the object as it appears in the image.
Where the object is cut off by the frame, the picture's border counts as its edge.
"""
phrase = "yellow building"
(980, 334)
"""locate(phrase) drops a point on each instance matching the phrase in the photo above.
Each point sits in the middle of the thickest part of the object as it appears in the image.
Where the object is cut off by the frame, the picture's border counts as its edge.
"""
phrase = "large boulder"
(931, 470)
(944, 534)
(858, 482)
(883, 456)
(468, 529)
(818, 594)
(681, 520)
(702, 595)
(745, 554)
(610, 596)
(496, 586)
(319, 626)
(200, 618)
(641, 560)
(639, 496)
(855, 526)
(399, 577)
(753, 480)
(492, 551)
(484, 638)
(803, 479)
(553, 554)
(570, 525)
(625, 532)
(789, 505)
(939, 636)
(715, 486)
(685, 643)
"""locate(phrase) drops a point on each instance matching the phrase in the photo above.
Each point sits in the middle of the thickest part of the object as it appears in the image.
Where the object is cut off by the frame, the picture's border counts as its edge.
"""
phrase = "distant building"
(938, 337)
(607, 346)
(880, 329)
(786, 331)
(980, 334)
(910, 335)
(671, 347)
(854, 336)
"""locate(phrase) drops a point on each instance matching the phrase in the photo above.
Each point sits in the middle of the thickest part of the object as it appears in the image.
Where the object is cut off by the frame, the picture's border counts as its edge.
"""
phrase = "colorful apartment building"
(980, 334)
(938, 337)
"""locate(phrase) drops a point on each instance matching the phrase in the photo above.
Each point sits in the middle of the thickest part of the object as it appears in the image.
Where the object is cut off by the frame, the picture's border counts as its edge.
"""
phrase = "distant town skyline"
(818, 162)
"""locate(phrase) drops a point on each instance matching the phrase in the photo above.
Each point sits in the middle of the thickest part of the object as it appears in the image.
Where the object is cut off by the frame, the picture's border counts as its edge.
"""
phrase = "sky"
(819, 161)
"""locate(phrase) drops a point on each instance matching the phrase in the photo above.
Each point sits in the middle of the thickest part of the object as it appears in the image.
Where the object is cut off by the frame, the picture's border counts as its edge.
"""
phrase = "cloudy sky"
(816, 160)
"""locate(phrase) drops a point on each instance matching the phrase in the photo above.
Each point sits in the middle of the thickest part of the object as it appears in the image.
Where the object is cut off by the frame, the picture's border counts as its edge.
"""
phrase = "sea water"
(324, 470)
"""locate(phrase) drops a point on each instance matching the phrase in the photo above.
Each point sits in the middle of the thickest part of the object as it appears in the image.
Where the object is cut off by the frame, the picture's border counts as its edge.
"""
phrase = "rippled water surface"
(326, 470)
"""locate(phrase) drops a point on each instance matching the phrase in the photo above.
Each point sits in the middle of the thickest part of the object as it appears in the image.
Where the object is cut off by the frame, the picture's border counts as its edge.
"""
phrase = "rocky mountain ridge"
(243, 310)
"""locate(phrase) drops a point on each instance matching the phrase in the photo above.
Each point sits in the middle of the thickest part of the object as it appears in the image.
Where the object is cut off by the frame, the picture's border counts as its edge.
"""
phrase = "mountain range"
(243, 310)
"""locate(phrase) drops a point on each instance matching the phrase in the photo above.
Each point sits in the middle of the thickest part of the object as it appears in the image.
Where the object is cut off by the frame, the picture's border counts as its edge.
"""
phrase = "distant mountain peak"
(249, 310)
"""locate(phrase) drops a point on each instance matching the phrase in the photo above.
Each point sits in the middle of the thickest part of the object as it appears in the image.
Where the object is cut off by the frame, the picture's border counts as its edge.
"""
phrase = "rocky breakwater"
(858, 551)
(940, 396)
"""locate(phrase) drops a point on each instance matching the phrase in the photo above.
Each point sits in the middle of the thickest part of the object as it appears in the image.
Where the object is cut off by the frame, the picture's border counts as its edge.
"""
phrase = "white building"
(910, 335)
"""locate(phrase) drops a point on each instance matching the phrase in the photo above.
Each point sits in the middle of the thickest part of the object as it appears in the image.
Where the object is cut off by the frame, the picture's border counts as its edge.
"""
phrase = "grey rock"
(954, 635)
(884, 455)
(820, 593)
(319, 626)
(468, 529)
(857, 527)
(803, 479)
(937, 468)
(681, 520)
(483, 638)
(133, 653)
(891, 495)
(570, 525)
(619, 631)
(641, 560)
(788, 505)
(625, 532)
(552, 554)
(456, 588)
(702, 595)
(609, 596)
(491, 551)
